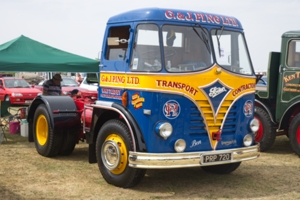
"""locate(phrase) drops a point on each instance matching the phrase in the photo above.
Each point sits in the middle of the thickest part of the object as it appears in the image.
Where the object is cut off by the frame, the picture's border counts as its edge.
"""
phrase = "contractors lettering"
(243, 88)
(201, 17)
(120, 80)
(176, 85)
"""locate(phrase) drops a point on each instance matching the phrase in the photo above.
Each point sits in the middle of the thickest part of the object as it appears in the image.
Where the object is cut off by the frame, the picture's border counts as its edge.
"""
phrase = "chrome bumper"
(189, 159)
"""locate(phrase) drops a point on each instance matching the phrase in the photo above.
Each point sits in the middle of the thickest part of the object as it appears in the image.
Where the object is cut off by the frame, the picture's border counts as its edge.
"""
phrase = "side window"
(117, 43)
(1, 83)
(293, 57)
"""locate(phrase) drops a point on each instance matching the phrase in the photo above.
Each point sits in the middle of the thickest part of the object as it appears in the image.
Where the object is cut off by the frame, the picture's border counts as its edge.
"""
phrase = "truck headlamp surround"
(248, 140)
(254, 125)
(164, 129)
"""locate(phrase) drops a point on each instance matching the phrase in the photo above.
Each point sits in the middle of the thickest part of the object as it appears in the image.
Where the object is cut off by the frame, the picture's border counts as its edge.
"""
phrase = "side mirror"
(258, 77)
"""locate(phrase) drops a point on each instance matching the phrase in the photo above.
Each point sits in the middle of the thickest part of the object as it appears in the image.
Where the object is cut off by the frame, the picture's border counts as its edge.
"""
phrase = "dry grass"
(24, 174)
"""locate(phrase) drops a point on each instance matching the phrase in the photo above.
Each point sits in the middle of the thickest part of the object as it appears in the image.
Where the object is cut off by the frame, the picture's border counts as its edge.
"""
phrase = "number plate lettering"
(216, 157)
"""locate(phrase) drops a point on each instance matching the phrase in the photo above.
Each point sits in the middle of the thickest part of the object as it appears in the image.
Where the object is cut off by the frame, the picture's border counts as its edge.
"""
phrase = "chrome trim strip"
(107, 105)
(189, 159)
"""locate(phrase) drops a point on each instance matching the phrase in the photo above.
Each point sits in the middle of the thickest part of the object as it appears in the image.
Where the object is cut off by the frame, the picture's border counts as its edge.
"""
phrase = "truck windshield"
(146, 50)
(231, 51)
(186, 48)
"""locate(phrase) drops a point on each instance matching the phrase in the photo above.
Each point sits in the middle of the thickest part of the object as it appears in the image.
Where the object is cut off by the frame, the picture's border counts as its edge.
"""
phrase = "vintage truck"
(176, 90)
(277, 106)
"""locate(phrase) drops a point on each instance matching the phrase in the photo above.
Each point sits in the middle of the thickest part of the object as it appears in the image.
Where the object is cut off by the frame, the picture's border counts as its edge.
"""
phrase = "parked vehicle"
(184, 98)
(17, 91)
(88, 84)
(278, 106)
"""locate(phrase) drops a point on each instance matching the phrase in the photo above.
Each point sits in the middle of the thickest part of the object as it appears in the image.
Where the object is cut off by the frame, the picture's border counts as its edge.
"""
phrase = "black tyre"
(266, 133)
(112, 150)
(222, 169)
(294, 134)
(46, 142)
(69, 142)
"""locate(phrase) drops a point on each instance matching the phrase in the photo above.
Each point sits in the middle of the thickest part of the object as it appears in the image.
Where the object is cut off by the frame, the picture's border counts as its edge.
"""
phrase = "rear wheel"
(265, 134)
(294, 134)
(222, 169)
(46, 142)
(112, 149)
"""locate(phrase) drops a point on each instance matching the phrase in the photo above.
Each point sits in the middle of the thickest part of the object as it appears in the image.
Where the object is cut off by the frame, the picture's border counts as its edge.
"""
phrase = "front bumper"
(189, 159)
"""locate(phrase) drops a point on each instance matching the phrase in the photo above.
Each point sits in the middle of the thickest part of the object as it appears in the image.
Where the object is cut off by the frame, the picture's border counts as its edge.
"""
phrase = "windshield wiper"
(203, 36)
(218, 39)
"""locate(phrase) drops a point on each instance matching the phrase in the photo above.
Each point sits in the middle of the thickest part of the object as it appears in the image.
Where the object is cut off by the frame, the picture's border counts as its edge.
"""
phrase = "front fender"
(61, 109)
(266, 108)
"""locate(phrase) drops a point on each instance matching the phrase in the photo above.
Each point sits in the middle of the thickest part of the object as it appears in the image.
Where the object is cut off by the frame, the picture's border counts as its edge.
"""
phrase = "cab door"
(115, 49)
(289, 81)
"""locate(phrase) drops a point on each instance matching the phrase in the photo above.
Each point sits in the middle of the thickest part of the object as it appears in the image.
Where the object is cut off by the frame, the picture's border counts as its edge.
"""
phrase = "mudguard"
(62, 111)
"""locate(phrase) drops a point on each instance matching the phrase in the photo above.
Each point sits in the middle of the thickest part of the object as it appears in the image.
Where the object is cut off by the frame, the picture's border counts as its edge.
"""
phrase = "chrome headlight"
(15, 94)
(254, 125)
(164, 129)
(248, 140)
(180, 145)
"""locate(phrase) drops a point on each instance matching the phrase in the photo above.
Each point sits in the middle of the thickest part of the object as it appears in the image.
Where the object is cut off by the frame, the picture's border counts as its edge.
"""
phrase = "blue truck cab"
(176, 90)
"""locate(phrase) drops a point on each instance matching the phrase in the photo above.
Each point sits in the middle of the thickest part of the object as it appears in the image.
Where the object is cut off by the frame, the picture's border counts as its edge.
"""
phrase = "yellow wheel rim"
(114, 154)
(41, 130)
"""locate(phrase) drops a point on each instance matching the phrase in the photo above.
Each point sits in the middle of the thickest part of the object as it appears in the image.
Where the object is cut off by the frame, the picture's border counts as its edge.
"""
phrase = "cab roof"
(175, 15)
(291, 34)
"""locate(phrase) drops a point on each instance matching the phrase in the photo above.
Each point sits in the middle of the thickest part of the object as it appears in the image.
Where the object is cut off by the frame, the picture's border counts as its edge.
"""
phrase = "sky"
(77, 26)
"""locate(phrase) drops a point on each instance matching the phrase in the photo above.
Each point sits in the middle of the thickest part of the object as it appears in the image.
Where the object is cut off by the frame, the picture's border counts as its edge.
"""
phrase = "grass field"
(24, 174)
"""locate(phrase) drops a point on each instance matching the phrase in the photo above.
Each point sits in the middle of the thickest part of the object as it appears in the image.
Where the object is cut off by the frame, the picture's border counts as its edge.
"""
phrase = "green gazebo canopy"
(26, 55)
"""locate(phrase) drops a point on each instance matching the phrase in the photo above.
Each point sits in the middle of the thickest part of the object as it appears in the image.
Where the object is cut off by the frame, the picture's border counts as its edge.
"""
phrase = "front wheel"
(265, 134)
(46, 142)
(222, 169)
(294, 134)
(112, 149)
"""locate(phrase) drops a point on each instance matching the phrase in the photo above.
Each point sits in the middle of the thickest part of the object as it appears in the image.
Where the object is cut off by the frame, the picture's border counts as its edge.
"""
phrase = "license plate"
(216, 157)
(28, 101)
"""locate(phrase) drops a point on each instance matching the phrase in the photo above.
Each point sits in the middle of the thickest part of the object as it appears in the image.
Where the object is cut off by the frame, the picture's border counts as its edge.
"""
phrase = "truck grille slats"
(196, 122)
